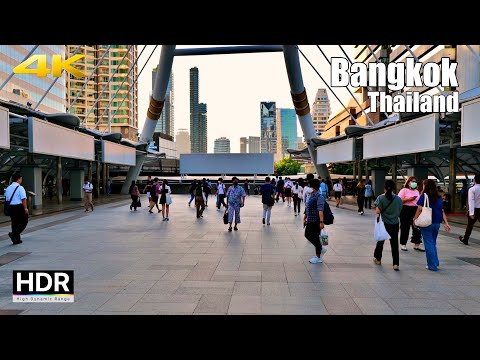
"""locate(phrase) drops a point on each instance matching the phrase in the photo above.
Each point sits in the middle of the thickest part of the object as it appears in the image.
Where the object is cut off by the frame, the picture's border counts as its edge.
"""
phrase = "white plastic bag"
(323, 237)
(380, 233)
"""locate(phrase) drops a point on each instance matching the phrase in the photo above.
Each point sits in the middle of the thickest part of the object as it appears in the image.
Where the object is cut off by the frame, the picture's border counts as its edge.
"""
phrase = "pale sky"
(233, 86)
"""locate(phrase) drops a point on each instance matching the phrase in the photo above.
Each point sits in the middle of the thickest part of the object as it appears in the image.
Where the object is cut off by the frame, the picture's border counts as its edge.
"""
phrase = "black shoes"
(461, 238)
(263, 221)
(235, 228)
(15, 241)
(230, 228)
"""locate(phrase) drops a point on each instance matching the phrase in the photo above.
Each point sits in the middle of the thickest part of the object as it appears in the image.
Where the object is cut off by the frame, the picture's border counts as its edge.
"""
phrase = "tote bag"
(425, 217)
(168, 199)
(380, 233)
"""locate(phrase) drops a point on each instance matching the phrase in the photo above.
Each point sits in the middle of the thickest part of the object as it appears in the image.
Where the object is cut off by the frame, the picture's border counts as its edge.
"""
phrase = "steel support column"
(452, 178)
(59, 180)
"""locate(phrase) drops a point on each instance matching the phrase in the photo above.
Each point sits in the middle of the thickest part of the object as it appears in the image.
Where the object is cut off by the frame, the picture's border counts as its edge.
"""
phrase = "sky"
(233, 86)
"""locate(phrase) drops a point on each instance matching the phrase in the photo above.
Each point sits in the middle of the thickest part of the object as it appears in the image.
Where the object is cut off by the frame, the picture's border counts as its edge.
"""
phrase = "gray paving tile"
(275, 289)
(298, 276)
(340, 306)
(175, 275)
(356, 290)
(164, 308)
(373, 306)
(274, 275)
(318, 289)
(242, 304)
(164, 287)
(423, 307)
(469, 307)
(206, 287)
(121, 302)
(170, 298)
(214, 304)
(247, 288)
(225, 275)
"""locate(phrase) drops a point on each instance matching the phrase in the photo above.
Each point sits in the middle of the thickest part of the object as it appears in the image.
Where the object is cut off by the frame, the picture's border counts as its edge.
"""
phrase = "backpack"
(198, 190)
(327, 214)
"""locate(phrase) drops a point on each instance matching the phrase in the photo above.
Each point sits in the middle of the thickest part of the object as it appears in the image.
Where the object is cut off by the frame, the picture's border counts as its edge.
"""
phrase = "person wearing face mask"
(235, 200)
(409, 195)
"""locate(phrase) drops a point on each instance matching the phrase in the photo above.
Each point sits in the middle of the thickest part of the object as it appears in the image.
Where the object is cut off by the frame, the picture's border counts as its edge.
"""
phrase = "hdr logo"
(43, 286)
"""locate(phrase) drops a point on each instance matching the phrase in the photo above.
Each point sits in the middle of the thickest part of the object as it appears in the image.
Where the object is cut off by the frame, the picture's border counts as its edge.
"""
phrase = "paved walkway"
(133, 263)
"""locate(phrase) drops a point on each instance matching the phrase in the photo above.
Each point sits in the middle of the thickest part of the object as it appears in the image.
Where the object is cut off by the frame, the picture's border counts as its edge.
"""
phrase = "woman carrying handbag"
(428, 219)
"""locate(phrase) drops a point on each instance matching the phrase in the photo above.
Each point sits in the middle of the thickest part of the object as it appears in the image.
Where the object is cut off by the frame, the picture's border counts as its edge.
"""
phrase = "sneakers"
(295, 214)
(396, 267)
(263, 221)
(164, 219)
(404, 247)
(419, 249)
(462, 239)
(315, 260)
(377, 262)
(362, 212)
(268, 224)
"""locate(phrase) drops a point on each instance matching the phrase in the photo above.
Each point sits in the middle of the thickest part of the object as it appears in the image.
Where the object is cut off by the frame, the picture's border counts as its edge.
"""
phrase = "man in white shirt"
(338, 188)
(18, 208)
(221, 194)
(473, 208)
(87, 194)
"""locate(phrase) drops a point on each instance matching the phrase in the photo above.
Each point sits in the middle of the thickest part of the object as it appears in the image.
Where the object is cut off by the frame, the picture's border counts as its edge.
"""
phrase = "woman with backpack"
(389, 206)
(313, 220)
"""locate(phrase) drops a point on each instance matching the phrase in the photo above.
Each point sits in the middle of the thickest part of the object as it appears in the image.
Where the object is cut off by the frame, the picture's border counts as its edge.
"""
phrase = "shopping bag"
(380, 233)
(225, 217)
(323, 237)
(425, 217)
(168, 199)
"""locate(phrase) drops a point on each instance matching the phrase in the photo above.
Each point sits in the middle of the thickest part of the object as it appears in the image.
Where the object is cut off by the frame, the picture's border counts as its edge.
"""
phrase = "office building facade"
(166, 123)
(118, 117)
(286, 123)
(321, 111)
(254, 144)
(183, 141)
(222, 146)
(29, 88)
(198, 116)
(268, 127)
(243, 145)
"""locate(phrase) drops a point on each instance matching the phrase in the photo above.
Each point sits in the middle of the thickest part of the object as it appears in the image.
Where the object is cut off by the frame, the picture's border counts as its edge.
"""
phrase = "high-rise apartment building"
(286, 123)
(254, 144)
(321, 111)
(198, 116)
(29, 88)
(183, 141)
(222, 146)
(118, 117)
(166, 123)
(243, 145)
(268, 127)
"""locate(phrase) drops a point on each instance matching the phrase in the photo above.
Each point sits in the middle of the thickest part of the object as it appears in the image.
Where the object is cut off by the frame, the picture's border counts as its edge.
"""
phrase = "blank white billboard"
(339, 151)
(113, 153)
(4, 129)
(470, 123)
(410, 137)
(50, 139)
(235, 164)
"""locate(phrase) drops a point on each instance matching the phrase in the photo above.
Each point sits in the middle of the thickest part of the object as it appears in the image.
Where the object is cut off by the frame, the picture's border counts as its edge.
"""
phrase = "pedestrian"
(288, 191)
(50, 190)
(221, 194)
(369, 195)
(313, 220)
(154, 192)
(430, 233)
(87, 194)
(199, 199)
(268, 199)
(338, 189)
(360, 192)
(389, 206)
(324, 189)
(235, 201)
(246, 187)
(165, 199)
(329, 186)
(473, 208)
(18, 209)
(108, 187)
(148, 189)
(191, 191)
(135, 195)
(206, 190)
(307, 190)
(280, 189)
(409, 195)
(297, 197)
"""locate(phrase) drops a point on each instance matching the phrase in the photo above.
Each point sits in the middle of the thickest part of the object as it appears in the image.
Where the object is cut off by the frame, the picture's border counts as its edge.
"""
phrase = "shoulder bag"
(380, 232)
(425, 217)
(6, 206)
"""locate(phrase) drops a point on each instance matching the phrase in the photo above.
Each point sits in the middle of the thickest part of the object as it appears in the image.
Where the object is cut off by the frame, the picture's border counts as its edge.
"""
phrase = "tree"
(287, 166)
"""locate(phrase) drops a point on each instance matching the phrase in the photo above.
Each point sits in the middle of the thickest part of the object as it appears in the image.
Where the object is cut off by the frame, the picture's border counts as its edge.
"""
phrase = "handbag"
(6, 206)
(425, 217)
(225, 217)
(380, 232)
(168, 199)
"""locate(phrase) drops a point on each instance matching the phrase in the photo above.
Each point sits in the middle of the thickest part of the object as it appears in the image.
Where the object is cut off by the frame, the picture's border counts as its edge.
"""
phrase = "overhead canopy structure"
(4, 129)
(236, 164)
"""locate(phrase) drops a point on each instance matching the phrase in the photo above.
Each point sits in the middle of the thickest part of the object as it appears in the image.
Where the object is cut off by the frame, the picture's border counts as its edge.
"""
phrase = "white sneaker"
(315, 260)
(404, 247)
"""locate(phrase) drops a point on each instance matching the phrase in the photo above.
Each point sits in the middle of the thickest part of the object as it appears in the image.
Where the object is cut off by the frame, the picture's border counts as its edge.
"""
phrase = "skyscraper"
(124, 116)
(321, 111)
(254, 144)
(243, 145)
(166, 123)
(286, 122)
(25, 88)
(198, 116)
(222, 146)
(183, 141)
(268, 128)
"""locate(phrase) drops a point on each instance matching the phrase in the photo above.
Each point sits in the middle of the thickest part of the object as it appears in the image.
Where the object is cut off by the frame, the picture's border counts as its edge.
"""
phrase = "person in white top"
(307, 190)
(87, 195)
(165, 199)
(18, 209)
(288, 191)
(338, 188)
(221, 194)
(297, 197)
(473, 208)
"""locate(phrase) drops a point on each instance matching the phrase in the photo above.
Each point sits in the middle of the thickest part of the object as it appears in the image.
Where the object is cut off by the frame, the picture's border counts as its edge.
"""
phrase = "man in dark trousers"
(280, 189)
(473, 208)
(17, 196)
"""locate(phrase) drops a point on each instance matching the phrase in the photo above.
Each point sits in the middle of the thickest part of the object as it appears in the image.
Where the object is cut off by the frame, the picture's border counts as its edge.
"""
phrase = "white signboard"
(410, 137)
(113, 153)
(470, 122)
(339, 151)
(234, 164)
(4, 129)
(50, 139)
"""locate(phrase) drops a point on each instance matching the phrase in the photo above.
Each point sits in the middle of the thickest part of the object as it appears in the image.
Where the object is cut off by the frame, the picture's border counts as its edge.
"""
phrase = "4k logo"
(57, 66)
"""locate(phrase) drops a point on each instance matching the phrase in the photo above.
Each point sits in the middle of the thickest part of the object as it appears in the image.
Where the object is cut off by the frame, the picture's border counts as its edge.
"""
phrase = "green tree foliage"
(287, 166)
